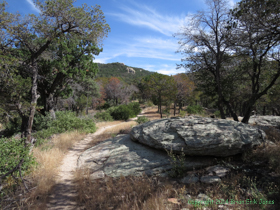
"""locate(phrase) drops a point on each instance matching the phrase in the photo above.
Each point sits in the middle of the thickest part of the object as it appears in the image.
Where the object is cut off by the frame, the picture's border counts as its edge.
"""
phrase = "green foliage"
(182, 113)
(217, 113)
(149, 103)
(106, 105)
(119, 70)
(103, 116)
(135, 107)
(82, 102)
(41, 122)
(142, 119)
(65, 121)
(122, 113)
(11, 153)
(178, 164)
(195, 109)
(112, 109)
(12, 126)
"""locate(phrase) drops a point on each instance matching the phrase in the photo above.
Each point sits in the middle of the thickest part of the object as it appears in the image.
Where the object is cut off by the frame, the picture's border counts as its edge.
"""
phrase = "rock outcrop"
(267, 121)
(197, 136)
(121, 156)
(130, 70)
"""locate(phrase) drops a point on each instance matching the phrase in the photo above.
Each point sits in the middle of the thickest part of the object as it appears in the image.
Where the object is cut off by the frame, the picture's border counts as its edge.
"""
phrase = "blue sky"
(141, 30)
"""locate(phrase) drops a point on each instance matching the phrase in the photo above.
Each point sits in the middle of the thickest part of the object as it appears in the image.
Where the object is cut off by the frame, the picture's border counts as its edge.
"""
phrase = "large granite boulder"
(198, 136)
(267, 121)
(121, 156)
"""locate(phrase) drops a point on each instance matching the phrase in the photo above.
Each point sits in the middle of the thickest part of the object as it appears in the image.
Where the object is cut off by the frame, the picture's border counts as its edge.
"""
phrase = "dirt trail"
(63, 196)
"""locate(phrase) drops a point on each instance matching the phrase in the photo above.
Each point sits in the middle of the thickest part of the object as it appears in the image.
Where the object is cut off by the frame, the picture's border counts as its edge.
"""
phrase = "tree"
(28, 39)
(185, 89)
(259, 45)
(204, 42)
(230, 50)
(162, 87)
(113, 89)
(71, 61)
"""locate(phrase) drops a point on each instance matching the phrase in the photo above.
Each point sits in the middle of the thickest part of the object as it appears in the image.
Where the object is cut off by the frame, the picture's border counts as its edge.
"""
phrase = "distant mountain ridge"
(127, 73)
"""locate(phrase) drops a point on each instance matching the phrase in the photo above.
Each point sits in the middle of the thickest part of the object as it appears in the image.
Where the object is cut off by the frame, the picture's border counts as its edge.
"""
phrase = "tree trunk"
(232, 113)
(220, 107)
(50, 106)
(174, 107)
(264, 110)
(87, 106)
(160, 111)
(35, 96)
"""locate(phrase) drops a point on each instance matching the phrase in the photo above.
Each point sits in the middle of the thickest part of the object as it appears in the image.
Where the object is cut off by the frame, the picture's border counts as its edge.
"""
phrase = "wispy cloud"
(145, 16)
(141, 47)
(166, 69)
(33, 6)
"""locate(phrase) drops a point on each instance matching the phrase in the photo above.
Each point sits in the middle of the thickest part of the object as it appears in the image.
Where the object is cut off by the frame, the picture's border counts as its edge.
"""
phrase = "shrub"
(41, 122)
(65, 121)
(12, 127)
(106, 106)
(135, 108)
(12, 151)
(196, 109)
(182, 113)
(122, 113)
(142, 119)
(217, 113)
(104, 116)
(111, 109)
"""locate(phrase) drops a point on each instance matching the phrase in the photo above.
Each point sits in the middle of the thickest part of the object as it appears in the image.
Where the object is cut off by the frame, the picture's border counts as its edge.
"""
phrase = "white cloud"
(141, 47)
(166, 69)
(150, 18)
(33, 6)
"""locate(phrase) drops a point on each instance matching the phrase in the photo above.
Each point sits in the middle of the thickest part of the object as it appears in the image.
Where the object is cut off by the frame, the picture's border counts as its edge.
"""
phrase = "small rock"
(189, 179)
(210, 179)
(217, 170)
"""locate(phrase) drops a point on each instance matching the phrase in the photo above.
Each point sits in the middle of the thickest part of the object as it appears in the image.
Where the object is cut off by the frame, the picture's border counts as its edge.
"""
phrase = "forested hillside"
(120, 70)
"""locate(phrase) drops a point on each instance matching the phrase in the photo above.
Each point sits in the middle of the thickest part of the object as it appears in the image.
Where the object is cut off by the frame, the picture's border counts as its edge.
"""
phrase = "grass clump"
(195, 109)
(103, 116)
(124, 193)
(142, 119)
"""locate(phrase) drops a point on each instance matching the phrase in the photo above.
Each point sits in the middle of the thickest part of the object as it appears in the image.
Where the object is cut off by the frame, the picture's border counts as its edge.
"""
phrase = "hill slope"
(121, 70)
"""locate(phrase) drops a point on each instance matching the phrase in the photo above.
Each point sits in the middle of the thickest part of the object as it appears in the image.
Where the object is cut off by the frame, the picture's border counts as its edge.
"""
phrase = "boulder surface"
(198, 136)
(121, 156)
(269, 121)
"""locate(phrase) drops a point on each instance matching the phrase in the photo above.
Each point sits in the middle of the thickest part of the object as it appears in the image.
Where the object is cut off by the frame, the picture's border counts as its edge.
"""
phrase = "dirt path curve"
(63, 196)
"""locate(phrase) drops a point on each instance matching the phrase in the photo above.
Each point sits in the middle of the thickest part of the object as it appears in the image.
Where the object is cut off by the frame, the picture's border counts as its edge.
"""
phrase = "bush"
(142, 119)
(217, 114)
(65, 121)
(111, 109)
(135, 108)
(12, 151)
(41, 122)
(122, 113)
(182, 113)
(104, 116)
(12, 127)
(196, 109)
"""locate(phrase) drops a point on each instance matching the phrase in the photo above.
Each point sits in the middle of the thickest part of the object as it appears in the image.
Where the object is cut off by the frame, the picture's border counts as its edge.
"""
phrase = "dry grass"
(104, 124)
(43, 175)
(124, 193)
(49, 157)
(122, 126)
